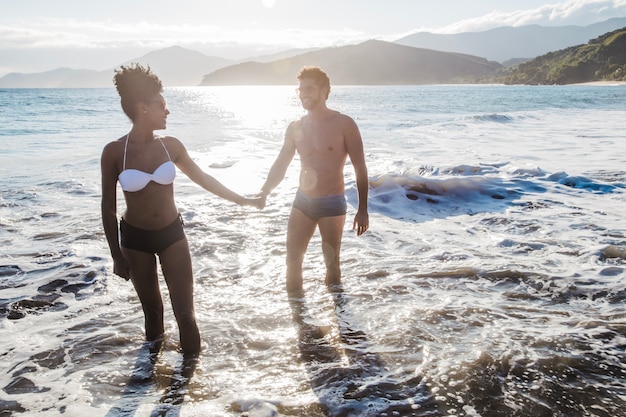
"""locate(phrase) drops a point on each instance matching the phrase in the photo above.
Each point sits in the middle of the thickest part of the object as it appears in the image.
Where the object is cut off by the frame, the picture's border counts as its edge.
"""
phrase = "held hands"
(257, 201)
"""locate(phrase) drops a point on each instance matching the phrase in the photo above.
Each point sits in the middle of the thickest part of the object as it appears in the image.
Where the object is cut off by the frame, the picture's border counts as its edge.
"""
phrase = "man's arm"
(280, 165)
(354, 145)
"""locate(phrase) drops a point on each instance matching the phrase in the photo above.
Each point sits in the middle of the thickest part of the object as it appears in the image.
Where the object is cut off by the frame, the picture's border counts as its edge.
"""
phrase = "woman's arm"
(109, 209)
(187, 165)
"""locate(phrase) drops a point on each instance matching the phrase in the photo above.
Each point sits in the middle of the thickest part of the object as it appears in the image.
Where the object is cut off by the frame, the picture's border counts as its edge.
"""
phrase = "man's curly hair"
(136, 84)
(317, 75)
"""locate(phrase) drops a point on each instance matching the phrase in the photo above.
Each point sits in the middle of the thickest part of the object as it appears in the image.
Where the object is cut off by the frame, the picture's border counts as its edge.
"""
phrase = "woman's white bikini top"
(133, 180)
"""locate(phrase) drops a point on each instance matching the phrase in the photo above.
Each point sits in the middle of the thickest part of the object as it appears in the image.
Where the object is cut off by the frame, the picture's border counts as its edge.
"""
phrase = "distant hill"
(279, 55)
(58, 78)
(601, 59)
(369, 63)
(509, 43)
(176, 66)
(467, 57)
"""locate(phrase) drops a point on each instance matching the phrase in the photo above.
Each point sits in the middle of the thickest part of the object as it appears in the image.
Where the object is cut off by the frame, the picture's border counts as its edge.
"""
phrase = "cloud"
(98, 34)
(67, 33)
(28, 44)
(571, 12)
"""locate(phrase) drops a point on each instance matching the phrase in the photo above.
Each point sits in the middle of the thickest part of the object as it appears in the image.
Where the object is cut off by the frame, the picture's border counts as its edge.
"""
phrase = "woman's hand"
(257, 201)
(121, 268)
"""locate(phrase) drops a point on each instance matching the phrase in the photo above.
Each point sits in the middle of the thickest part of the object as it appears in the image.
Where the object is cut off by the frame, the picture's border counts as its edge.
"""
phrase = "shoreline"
(594, 83)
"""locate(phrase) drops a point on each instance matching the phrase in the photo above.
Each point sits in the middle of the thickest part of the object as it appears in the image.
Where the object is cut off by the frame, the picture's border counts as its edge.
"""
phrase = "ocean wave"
(431, 192)
(471, 170)
(19, 131)
(493, 118)
(585, 183)
(72, 186)
(611, 176)
(419, 198)
(515, 284)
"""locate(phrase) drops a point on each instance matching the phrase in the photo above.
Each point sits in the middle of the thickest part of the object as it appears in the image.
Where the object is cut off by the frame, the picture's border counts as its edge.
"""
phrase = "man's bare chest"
(321, 142)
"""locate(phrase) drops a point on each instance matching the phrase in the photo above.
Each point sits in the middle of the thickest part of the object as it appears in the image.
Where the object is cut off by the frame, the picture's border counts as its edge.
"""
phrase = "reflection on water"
(345, 373)
(143, 380)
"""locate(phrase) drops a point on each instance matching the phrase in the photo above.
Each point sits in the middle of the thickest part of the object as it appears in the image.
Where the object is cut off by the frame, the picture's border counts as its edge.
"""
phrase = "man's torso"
(322, 150)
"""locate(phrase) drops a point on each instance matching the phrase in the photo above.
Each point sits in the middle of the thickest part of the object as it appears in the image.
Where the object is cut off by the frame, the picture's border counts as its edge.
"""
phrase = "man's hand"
(257, 201)
(361, 223)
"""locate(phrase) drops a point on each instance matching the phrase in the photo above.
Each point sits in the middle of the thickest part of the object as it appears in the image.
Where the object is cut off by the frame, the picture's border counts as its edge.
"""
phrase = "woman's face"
(155, 112)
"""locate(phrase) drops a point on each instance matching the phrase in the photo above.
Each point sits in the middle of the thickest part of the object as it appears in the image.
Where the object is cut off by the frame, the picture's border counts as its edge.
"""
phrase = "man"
(323, 138)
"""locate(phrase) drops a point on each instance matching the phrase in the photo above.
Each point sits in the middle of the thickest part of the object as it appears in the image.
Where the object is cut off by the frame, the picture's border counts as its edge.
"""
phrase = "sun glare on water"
(260, 115)
(258, 106)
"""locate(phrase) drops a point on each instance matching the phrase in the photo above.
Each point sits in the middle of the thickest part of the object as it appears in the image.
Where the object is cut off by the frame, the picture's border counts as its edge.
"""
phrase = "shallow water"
(491, 282)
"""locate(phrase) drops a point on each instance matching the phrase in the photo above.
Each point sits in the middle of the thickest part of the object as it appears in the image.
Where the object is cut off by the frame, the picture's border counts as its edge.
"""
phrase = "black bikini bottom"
(151, 241)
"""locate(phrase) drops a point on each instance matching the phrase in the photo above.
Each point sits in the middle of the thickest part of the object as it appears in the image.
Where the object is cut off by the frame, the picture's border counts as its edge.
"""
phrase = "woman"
(145, 166)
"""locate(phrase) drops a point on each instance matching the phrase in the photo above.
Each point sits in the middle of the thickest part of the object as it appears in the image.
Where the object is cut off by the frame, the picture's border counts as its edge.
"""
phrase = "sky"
(41, 35)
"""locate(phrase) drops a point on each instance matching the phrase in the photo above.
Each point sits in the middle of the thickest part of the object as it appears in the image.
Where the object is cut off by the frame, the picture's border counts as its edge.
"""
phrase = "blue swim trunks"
(316, 207)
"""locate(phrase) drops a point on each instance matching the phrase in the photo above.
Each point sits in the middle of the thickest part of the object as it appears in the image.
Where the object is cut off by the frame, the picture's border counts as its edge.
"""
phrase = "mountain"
(508, 43)
(280, 55)
(601, 59)
(441, 59)
(178, 66)
(58, 78)
(175, 66)
(368, 63)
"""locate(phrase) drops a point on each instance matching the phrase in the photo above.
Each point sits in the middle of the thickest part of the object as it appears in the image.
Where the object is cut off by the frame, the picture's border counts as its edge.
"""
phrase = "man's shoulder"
(346, 121)
(338, 116)
(295, 124)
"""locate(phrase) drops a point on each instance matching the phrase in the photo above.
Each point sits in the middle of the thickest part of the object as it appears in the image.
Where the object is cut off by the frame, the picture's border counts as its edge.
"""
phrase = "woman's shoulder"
(175, 148)
(171, 142)
(168, 138)
(114, 144)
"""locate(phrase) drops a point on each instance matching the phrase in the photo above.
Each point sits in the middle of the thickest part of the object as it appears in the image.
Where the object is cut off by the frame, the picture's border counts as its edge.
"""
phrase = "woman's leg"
(143, 274)
(178, 274)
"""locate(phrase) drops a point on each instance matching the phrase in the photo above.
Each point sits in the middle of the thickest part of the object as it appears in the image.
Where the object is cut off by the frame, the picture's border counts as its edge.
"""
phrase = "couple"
(145, 166)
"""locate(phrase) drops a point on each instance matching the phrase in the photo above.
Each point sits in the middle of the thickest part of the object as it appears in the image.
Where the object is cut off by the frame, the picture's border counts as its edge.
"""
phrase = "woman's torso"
(147, 177)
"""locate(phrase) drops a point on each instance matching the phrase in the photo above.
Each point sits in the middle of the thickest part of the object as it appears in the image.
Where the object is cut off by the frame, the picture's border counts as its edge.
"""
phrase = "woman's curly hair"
(136, 84)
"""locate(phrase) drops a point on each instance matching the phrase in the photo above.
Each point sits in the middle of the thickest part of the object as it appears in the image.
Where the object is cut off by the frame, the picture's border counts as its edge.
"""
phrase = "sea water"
(491, 281)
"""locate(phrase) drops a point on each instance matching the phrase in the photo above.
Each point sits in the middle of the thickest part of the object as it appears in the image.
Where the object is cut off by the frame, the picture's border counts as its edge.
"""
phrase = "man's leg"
(331, 230)
(300, 229)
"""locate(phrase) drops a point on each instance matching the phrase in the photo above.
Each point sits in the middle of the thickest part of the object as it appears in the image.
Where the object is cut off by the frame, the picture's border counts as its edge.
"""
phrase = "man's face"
(310, 94)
